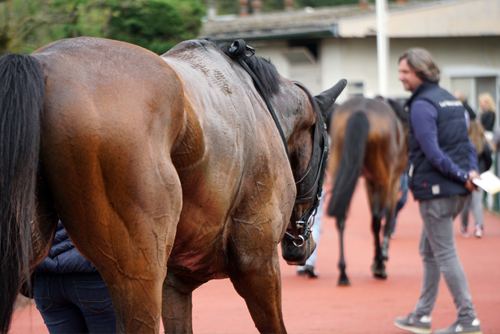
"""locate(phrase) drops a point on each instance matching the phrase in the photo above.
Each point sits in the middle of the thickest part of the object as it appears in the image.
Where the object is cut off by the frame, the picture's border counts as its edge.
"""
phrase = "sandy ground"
(368, 305)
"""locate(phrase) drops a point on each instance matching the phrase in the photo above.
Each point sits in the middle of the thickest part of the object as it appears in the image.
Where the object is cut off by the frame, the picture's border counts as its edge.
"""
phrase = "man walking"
(441, 165)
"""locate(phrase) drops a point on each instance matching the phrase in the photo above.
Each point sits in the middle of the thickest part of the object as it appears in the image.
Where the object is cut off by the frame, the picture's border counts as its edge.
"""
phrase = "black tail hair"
(351, 161)
(22, 91)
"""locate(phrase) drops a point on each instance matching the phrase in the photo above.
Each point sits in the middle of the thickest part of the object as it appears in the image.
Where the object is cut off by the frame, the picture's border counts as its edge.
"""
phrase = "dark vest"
(424, 180)
(63, 257)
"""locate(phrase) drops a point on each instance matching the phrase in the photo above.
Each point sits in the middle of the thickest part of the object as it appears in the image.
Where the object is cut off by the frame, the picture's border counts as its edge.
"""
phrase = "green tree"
(232, 6)
(156, 25)
(26, 25)
(322, 3)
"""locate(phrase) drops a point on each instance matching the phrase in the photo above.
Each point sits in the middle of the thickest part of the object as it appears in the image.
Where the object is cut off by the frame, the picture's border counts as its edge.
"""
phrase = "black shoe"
(306, 270)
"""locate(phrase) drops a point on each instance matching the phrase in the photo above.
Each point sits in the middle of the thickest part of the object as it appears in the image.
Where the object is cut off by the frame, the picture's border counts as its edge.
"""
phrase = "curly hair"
(421, 61)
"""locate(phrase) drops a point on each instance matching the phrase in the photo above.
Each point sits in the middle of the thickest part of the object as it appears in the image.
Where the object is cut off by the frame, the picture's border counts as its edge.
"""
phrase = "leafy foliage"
(321, 3)
(157, 25)
(25, 25)
(232, 6)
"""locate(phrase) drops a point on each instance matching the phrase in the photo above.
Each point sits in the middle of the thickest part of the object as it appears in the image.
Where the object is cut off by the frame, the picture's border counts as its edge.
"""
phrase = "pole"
(382, 46)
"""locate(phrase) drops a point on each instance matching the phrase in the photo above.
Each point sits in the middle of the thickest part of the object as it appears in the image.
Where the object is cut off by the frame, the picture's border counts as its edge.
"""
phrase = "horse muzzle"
(297, 255)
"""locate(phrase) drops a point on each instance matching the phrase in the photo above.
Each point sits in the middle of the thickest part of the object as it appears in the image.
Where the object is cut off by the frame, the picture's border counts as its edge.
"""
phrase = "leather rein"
(301, 227)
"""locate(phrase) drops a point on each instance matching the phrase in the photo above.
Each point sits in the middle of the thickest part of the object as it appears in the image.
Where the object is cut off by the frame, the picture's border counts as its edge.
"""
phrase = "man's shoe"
(463, 231)
(301, 271)
(457, 328)
(306, 270)
(479, 232)
(413, 324)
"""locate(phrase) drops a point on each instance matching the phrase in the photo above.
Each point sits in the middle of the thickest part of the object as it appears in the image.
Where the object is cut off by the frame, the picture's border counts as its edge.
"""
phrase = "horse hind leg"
(343, 279)
(378, 267)
(389, 224)
(389, 221)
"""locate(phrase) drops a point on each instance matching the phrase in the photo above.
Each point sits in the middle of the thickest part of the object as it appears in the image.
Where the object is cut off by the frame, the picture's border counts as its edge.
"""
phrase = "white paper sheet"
(489, 182)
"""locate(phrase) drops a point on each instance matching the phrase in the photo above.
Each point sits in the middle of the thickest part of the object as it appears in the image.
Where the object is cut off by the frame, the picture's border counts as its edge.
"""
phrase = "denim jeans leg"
(90, 293)
(59, 314)
(438, 215)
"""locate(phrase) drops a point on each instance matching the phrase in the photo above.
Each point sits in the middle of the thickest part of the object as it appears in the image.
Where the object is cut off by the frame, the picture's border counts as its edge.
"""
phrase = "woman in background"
(487, 112)
(474, 200)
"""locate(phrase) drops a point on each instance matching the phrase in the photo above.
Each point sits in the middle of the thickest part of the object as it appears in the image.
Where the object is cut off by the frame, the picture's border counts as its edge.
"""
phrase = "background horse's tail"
(351, 161)
(22, 90)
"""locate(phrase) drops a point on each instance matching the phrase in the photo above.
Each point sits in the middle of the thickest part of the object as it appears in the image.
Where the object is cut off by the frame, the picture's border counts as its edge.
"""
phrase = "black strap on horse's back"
(238, 51)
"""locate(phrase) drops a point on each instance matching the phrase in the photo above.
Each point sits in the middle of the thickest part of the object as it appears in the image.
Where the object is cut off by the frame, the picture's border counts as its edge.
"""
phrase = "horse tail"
(351, 161)
(22, 91)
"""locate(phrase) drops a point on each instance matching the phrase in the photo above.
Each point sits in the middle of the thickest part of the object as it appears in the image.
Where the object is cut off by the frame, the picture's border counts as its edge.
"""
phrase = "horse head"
(301, 122)
(308, 153)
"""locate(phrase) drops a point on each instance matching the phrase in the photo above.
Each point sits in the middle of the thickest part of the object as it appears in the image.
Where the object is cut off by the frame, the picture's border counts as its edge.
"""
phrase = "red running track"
(368, 305)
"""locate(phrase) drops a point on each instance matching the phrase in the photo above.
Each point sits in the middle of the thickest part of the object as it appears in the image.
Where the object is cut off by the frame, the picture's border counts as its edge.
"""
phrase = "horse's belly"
(198, 250)
(198, 263)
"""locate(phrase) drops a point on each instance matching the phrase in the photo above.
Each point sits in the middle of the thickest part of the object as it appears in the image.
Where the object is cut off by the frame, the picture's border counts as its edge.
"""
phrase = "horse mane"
(265, 71)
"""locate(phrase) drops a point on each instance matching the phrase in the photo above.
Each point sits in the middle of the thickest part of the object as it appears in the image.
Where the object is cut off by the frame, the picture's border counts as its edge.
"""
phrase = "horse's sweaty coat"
(164, 164)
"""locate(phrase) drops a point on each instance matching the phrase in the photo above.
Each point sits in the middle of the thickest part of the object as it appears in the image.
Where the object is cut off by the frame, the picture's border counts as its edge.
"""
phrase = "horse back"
(385, 148)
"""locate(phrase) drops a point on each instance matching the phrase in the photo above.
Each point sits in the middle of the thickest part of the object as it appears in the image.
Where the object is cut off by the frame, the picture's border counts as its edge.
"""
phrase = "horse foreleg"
(258, 282)
(343, 279)
(177, 305)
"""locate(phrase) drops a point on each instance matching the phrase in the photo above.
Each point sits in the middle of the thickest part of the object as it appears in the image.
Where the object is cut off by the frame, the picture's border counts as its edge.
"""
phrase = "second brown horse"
(368, 139)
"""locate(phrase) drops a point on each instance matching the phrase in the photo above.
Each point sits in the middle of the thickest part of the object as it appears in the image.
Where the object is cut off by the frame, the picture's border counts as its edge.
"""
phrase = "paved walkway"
(369, 305)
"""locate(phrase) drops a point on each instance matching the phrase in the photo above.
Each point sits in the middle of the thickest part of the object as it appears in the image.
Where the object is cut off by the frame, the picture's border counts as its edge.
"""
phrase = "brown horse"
(368, 139)
(167, 172)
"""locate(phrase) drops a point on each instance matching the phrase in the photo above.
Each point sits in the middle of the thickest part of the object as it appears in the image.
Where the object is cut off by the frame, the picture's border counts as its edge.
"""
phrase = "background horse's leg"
(389, 215)
(374, 194)
(177, 305)
(343, 280)
(257, 278)
(390, 208)
(347, 174)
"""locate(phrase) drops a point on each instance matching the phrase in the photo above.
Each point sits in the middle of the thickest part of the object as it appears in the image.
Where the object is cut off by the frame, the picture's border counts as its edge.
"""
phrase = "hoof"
(379, 271)
(380, 275)
(343, 281)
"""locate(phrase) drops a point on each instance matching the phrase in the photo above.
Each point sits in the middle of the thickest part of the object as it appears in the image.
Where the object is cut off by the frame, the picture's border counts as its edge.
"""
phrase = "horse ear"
(398, 109)
(327, 98)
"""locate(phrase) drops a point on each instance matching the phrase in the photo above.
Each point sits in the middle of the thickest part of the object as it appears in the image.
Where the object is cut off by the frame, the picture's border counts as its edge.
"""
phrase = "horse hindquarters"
(22, 91)
(346, 177)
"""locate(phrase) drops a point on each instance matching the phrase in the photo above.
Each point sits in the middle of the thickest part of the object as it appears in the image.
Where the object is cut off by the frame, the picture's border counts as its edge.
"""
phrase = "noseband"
(310, 185)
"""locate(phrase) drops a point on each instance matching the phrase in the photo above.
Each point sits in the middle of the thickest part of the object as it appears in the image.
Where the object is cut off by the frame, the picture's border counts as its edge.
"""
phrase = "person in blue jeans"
(70, 293)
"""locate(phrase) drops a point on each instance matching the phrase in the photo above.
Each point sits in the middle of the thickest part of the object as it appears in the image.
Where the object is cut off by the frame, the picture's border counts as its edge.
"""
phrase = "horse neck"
(291, 108)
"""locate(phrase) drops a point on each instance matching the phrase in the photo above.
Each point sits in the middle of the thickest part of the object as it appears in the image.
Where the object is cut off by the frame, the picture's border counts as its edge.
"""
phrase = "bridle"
(310, 185)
